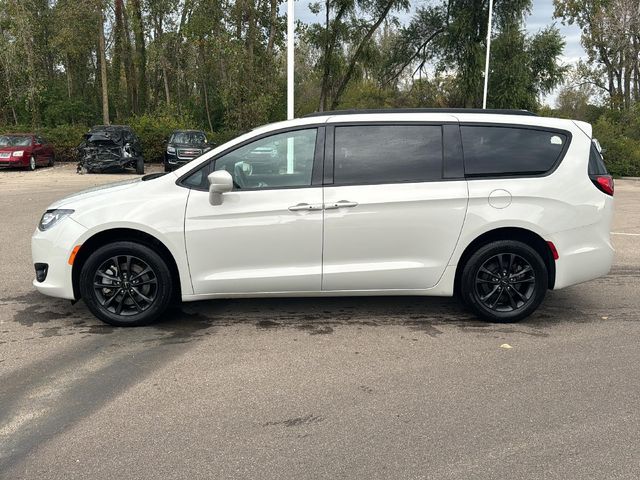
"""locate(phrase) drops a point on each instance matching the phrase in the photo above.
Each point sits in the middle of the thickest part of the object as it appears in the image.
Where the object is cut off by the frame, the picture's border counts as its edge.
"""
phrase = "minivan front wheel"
(126, 284)
(504, 281)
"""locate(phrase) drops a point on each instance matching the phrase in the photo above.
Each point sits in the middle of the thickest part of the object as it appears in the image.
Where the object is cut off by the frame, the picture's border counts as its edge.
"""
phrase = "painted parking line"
(628, 234)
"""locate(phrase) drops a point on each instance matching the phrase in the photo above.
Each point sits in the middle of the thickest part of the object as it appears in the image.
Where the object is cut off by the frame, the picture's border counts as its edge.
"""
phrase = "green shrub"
(154, 131)
(621, 150)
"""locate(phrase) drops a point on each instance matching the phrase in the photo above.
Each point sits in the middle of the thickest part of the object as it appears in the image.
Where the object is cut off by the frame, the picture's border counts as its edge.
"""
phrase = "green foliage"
(154, 130)
(619, 135)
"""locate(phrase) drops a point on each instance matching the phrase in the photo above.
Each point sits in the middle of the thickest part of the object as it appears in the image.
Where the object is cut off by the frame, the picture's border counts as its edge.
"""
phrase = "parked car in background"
(499, 206)
(184, 146)
(110, 148)
(26, 150)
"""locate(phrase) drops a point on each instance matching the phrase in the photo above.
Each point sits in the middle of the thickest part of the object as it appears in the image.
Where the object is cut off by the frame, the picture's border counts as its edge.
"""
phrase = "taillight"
(604, 183)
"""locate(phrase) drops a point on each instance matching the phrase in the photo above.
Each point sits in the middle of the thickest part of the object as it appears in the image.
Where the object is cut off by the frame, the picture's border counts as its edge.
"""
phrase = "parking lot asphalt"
(393, 387)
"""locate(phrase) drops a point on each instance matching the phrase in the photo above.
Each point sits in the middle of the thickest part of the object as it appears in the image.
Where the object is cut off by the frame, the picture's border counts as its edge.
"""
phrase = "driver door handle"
(340, 204)
(305, 206)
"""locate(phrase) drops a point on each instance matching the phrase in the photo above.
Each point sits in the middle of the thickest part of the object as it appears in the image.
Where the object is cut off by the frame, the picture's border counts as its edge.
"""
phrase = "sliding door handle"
(340, 204)
(305, 207)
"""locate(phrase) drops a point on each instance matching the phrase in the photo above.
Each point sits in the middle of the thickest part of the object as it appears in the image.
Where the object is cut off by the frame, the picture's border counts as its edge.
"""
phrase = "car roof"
(493, 111)
(188, 131)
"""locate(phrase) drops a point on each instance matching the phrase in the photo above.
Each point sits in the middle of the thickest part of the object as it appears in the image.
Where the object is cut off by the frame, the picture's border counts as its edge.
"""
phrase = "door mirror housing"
(219, 183)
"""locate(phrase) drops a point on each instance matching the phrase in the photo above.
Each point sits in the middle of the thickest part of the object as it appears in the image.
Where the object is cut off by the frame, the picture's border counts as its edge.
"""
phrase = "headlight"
(51, 217)
(18, 153)
(171, 149)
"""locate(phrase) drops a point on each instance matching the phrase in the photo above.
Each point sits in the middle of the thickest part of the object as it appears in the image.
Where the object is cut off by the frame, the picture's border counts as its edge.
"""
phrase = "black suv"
(183, 146)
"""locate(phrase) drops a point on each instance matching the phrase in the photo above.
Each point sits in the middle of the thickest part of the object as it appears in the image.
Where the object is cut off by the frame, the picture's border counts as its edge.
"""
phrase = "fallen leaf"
(506, 346)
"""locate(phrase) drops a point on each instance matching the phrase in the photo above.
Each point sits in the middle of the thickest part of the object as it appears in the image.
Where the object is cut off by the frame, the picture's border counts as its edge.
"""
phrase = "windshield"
(14, 141)
(188, 137)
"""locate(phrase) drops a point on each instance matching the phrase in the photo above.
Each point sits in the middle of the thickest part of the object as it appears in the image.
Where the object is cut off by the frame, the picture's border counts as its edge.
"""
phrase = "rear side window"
(374, 154)
(495, 151)
(596, 163)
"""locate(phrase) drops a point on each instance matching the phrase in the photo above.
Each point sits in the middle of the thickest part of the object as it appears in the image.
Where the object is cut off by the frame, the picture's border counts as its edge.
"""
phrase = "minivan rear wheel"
(126, 284)
(504, 281)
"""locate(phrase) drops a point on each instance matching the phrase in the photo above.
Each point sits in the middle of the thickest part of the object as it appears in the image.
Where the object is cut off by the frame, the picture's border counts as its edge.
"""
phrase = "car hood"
(95, 192)
(13, 149)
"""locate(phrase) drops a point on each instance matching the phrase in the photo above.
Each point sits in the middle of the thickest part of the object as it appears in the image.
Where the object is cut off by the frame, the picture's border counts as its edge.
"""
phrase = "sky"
(541, 16)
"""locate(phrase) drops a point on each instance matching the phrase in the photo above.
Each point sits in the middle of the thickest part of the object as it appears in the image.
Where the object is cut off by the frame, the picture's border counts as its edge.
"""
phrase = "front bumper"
(53, 247)
(174, 162)
(14, 162)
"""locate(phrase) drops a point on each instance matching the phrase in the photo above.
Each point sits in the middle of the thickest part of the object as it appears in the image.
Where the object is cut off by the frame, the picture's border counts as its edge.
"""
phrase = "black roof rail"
(422, 110)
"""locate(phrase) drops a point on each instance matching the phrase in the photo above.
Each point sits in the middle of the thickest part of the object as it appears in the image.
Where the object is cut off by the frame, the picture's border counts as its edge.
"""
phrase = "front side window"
(375, 154)
(279, 161)
(495, 150)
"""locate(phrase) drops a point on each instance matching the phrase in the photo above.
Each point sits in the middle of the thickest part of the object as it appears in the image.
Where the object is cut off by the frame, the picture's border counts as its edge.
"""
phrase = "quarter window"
(494, 151)
(387, 154)
(278, 161)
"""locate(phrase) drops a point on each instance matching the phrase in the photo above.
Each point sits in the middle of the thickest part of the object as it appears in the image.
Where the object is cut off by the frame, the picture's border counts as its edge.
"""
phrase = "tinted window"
(387, 154)
(596, 163)
(198, 179)
(283, 160)
(492, 150)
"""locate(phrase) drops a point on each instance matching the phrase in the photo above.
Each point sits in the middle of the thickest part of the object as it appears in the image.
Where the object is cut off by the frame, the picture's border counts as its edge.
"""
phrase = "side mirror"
(219, 183)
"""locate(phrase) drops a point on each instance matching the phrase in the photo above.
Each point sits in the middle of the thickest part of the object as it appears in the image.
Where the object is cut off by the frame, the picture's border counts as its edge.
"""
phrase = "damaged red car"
(25, 150)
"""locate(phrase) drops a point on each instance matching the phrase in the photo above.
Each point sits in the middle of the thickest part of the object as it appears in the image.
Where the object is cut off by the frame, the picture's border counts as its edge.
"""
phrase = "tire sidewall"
(32, 163)
(485, 252)
(151, 257)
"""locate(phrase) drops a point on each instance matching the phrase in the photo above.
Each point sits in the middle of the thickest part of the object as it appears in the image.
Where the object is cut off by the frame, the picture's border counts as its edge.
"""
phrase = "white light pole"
(486, 60)
(290, 78)
(290, 45)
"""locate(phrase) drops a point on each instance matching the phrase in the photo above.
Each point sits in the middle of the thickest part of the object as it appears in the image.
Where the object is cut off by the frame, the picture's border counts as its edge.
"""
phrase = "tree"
(103, 65)
(611, 38)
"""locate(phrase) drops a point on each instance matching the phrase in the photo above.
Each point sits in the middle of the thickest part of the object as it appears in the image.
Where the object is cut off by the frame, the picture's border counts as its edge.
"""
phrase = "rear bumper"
(53, 247)
(584, 254)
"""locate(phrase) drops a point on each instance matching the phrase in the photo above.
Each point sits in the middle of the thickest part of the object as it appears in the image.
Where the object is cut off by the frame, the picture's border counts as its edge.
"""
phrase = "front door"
(390, 222)
(267, 234)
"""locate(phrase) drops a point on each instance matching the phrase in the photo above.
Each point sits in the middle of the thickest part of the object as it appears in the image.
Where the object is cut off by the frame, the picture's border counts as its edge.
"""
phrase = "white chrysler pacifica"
(498, 206)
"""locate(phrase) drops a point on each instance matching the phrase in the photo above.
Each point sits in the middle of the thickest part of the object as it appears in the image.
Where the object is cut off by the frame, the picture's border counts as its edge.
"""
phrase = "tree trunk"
(140, 57)
(103, 69)
(129, 69)
(273, 19)
(356, 56)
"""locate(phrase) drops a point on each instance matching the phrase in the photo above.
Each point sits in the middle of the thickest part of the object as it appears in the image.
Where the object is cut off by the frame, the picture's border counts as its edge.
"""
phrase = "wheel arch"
(105, 237)
(523, 235)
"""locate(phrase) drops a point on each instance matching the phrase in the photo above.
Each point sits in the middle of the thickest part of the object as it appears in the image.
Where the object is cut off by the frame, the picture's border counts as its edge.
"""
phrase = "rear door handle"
(305, 206)
(340, 204)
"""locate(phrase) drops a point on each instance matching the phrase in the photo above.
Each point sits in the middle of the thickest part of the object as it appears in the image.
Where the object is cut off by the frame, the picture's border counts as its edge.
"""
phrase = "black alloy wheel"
(504, 281)
(126, 284)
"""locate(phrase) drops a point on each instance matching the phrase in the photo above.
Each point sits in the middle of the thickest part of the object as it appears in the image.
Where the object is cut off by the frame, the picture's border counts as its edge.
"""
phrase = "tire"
(52, 161)
(32, 163)
(140, 166)
(496, 296)
(118, 267)
(167, 169)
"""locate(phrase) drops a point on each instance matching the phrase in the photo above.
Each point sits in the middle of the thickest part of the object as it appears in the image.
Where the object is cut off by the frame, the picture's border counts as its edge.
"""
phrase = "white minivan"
(497, 206)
